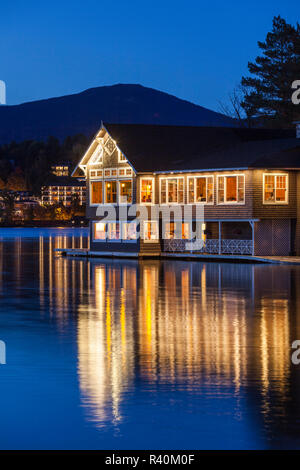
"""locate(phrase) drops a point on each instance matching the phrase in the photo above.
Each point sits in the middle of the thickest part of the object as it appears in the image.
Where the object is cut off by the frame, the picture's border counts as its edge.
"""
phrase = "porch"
(220, 237)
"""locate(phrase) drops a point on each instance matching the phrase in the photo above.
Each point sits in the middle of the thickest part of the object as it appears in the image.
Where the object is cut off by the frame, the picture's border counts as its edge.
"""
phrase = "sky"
(196, 50)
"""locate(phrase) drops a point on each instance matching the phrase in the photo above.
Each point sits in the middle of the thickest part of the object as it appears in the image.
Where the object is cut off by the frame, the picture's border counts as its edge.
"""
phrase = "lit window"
(201, 189)
(146, 191)
(114, 172)
(110, 192)
(275, 189)
(122, 157)
(125, 192)
(151, 231)
(106, 172)
(129, 231)
(171, 191)
(96, 192)
(177, 230)
(231, 189)
(99, 231)
(128, 171)
(113, 230)
(121, 171)
(96, 173)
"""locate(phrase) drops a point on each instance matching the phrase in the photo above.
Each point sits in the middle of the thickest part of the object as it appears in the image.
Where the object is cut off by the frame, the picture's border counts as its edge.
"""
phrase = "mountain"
(83, 113)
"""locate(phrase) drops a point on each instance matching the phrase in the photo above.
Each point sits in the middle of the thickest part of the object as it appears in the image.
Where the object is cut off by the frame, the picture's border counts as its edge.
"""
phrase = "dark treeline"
(27, 165)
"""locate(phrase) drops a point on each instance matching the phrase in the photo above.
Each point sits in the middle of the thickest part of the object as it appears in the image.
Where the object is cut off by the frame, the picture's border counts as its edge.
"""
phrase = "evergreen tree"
(268, 96)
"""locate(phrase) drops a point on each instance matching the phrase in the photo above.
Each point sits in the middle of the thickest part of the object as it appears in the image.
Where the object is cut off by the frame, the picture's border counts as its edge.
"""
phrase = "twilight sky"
(197, 50)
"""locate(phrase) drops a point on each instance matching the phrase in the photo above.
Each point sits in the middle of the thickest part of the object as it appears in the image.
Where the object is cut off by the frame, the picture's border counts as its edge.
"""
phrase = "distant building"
(61, 169)
(62, 189)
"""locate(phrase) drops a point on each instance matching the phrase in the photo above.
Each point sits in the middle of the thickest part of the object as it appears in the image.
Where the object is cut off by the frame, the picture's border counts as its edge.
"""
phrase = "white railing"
(211, 246)
(239, 247)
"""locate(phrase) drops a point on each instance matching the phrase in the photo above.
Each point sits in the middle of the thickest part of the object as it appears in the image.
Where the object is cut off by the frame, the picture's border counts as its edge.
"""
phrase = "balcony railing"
(211, 246)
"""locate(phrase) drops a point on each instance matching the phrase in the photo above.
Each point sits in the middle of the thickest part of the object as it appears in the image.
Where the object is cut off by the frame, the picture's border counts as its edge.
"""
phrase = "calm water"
(125, 354)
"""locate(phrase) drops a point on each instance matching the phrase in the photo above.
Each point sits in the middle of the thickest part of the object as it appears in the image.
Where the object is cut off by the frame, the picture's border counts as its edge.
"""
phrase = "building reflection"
(182, 325)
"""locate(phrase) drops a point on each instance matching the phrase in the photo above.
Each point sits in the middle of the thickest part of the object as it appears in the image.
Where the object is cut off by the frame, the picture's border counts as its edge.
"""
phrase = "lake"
(127, 354)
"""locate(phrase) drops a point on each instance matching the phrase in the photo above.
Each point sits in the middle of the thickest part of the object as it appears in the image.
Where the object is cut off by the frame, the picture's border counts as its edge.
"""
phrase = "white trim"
(203, 202)
(153, 190)
(168, 178)
(275, 203)
(230, 203)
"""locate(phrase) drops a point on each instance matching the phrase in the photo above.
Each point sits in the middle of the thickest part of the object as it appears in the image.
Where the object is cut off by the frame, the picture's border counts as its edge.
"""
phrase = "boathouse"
(246, 180)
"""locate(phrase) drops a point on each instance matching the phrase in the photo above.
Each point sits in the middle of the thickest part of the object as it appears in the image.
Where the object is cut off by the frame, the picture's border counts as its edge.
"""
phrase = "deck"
(85, 253)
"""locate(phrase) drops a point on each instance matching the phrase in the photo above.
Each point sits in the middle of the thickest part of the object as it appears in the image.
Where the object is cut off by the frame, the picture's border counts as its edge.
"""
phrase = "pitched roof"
(181, 148)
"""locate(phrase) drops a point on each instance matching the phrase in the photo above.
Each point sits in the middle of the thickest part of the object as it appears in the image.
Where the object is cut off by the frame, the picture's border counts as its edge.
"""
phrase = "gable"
(103, 151)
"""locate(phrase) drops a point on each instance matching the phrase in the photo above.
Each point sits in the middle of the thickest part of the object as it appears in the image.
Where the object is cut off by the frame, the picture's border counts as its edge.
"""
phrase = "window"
(201, 190)
(110, 192)
(275, 189)
(177, 230)
(151, 231)
(129, 231)
(128, 171)
(171, 191)
(231, 189)
(147, 186)
(99, 231)
(107, 172)
(96, 192)
(114, 172)
(113, 231)
(96, 173)
(122, 157)
(121, 171)
(125, 192)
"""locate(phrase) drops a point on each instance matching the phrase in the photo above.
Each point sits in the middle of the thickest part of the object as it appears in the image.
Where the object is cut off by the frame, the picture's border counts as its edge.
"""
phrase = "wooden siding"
(274, 211)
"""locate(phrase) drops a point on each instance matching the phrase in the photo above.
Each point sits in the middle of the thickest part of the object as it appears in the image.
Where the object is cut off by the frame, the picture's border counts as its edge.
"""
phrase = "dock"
(86, 253)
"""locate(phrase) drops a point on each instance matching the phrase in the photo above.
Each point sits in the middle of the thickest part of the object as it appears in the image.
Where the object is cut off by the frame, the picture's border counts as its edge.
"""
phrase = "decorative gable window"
(275, 188)
(171, 190)
(201, 190)
(231, 189)
(110, 146)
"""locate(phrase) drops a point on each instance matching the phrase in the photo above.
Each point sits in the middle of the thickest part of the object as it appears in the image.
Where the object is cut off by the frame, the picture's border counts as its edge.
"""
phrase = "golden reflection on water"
(184, 325)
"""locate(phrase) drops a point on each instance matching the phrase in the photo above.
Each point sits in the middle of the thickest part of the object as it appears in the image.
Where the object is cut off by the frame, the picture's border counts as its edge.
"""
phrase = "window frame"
(95, 204)
(229, 203)
(213, 190)
(153, 191)
(189, 223)
(156, 240)
(96, 240)
(109, 240)
(96, 171)
(272, 203)
(183, 190)
(119, 192)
